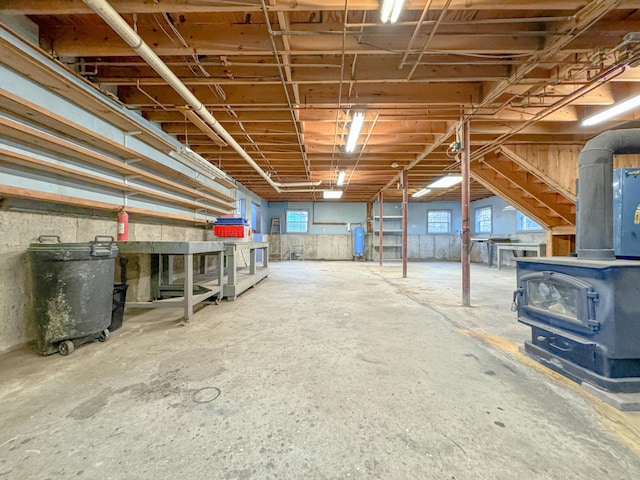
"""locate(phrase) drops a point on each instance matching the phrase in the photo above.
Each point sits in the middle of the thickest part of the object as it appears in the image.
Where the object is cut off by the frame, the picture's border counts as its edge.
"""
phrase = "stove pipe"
(595, 189)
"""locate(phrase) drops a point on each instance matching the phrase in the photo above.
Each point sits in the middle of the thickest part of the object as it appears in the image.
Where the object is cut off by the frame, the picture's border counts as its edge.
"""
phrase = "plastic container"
(72, 292)
(117, 309)
(237, 231)
(232, 221)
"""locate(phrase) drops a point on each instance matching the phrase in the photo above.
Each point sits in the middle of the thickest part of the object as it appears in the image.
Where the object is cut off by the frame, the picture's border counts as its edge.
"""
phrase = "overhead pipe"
(283, 80)
(105, 11)
(595, 190)
(416, 31)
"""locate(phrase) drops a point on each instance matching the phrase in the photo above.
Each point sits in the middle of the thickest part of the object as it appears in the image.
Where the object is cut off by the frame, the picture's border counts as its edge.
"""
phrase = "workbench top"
(171, 248)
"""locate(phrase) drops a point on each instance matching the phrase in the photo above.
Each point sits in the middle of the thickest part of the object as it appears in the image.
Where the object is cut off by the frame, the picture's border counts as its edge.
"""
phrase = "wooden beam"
(69, 7)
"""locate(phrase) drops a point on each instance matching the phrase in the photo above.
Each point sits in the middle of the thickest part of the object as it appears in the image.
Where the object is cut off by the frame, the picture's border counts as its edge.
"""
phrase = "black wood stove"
(584, 311)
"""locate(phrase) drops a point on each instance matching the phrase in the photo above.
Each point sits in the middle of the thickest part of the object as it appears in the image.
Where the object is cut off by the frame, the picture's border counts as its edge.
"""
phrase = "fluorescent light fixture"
(446, 181)
(193, 160)
(613, 111)
(354, 131)
(390, 10)
(341, 175)
(332, 194)
(421, 193)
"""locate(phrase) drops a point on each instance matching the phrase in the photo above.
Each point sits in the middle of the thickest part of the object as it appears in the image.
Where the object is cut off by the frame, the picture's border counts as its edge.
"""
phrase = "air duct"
(105, 11)
(595, 190)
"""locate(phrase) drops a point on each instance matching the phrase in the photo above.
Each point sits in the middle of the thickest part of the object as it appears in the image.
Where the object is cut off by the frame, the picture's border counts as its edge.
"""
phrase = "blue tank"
(358, 242)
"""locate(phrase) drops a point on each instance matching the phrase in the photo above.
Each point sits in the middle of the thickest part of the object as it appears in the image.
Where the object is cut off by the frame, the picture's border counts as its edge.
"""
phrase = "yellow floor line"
(625, 425)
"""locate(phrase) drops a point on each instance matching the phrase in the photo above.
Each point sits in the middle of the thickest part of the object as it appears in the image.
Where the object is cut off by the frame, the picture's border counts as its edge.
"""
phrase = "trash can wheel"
(66, 347)
(104, 335)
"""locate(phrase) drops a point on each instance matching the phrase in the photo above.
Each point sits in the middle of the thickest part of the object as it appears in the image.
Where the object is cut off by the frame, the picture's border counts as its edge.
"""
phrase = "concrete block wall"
(433, 247)
(339, 247)
(19, 229)
(319, 247)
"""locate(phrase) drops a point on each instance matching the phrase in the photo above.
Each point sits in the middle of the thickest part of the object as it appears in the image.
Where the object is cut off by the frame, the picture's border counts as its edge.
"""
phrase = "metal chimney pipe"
(595, 191)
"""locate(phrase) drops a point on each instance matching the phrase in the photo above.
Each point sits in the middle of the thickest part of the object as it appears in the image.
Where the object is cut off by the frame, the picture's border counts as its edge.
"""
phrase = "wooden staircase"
(532, 192)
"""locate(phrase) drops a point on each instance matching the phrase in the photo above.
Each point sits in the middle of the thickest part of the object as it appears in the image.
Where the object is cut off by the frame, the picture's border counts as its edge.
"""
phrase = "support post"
(466, 234)
(405, 214)
(188, 287)
(369, 226)
(380, 230)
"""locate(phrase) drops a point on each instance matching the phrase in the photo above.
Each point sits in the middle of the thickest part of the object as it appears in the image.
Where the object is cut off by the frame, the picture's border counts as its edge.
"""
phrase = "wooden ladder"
(275, 240)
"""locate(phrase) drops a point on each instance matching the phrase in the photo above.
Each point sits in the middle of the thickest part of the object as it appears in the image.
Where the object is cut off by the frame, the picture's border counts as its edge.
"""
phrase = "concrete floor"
(326, 370)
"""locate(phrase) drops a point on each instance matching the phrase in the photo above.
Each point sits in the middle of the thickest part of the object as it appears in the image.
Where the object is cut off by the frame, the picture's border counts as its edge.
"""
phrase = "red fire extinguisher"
(123, 226)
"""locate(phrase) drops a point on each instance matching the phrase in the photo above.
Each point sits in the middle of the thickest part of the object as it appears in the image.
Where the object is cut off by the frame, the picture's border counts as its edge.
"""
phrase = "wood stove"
(584, 311)
(584, 317)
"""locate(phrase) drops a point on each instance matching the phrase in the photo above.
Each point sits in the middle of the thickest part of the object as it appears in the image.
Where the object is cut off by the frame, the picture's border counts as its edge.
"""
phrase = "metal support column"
(466, 237)
(405, 214)
(188, 287)
(380, 230)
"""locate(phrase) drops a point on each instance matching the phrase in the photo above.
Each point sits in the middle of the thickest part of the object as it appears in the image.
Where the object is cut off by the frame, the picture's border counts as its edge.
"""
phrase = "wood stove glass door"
(559, 299)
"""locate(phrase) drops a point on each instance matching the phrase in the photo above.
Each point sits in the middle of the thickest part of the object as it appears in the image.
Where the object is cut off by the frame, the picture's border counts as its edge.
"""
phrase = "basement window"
(438, 221)
(297, 221)
(483, 220)
(525, 224)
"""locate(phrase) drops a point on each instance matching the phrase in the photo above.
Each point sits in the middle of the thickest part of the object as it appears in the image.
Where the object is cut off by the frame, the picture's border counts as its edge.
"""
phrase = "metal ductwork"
(595, 191)
(105, 11)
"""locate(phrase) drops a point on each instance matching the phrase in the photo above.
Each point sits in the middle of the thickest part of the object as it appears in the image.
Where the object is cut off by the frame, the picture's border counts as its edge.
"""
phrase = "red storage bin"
(237, 231)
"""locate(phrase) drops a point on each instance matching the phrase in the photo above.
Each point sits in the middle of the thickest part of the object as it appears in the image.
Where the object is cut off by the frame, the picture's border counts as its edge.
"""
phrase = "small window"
(297, 221)
(241, 207)
(438, 221)
(483, 220)
(525, 224)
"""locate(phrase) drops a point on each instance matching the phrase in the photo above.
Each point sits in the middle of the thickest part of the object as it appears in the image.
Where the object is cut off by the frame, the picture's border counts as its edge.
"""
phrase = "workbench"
(181, 293)
(241, 278)
(490, 242)
(539, 248)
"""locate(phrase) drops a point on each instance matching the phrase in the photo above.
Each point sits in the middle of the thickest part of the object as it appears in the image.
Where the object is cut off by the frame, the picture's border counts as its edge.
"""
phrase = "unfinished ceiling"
(285, 77)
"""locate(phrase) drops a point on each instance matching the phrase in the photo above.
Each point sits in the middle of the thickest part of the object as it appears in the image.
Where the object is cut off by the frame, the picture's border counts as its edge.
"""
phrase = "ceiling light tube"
(421, 193)
(332, 194)
(390, 10)
(446, 181)
(613, 111)
(354, 131)
(341, 175)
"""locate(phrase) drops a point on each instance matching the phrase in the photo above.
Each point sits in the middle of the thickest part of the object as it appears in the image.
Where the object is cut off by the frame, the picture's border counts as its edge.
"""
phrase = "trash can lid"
(102, 245)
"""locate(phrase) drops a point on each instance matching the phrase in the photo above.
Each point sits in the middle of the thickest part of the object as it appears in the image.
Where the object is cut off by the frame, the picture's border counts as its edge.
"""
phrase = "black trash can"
(72, 292)
(117, 310)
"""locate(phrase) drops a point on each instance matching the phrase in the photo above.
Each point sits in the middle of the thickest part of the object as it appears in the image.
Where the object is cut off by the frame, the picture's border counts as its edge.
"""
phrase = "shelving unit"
(391, 234)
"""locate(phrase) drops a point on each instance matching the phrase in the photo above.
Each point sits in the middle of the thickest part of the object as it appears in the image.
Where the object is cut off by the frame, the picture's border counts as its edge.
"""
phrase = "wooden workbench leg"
(188, 288)
(265, 257)
(500, 258)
